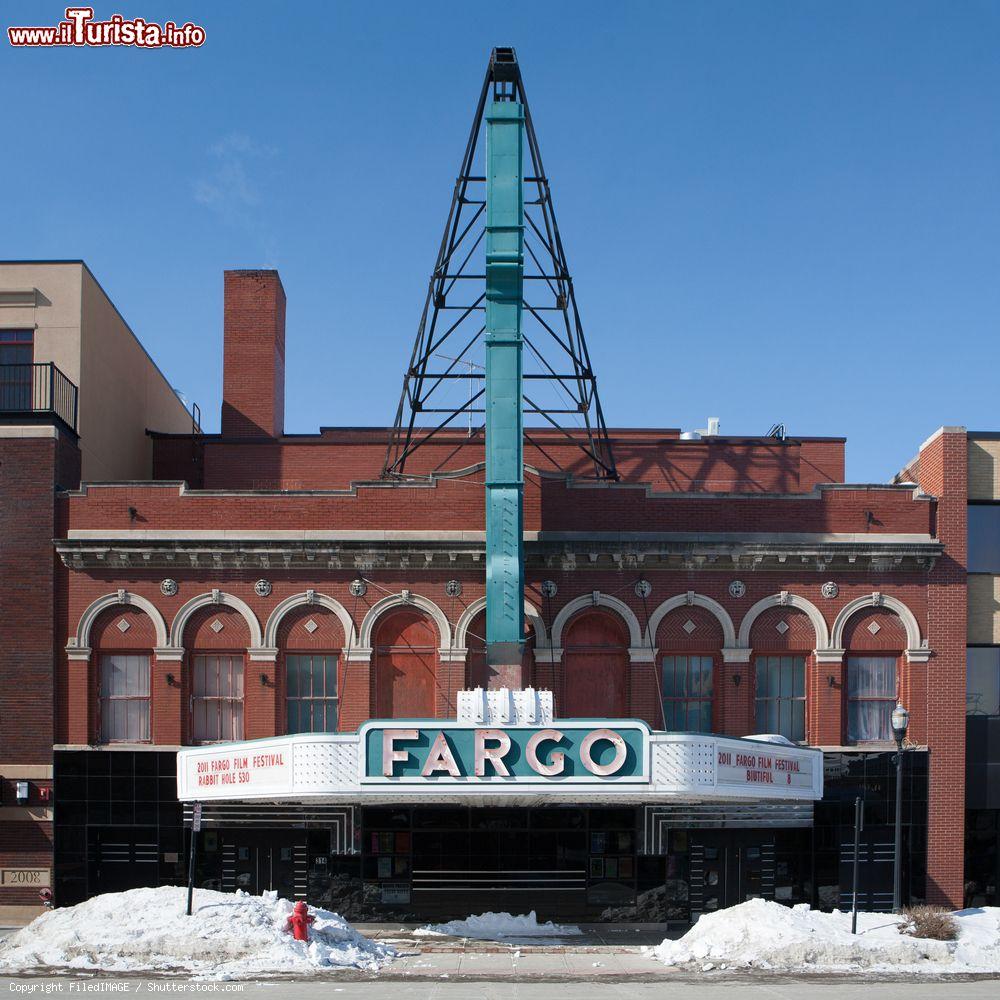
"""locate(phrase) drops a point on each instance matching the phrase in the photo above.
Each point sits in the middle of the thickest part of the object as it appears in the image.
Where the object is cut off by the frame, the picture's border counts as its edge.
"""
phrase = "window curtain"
(871, 694)
(217, 698)
(124, 698)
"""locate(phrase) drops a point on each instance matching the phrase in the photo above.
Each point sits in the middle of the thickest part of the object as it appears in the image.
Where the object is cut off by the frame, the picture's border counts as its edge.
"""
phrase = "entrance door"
(259, 862)
(122, 858)
(727, 869)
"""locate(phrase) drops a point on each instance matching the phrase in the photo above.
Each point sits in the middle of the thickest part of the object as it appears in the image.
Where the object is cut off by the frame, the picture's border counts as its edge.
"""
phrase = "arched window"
(218, 637)
(690, 640)
(874, 639)
(311, 638)
(122, 637)
(783, 638)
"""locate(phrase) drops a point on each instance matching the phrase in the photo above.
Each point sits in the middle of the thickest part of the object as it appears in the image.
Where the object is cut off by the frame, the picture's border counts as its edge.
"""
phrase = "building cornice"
(427, 550)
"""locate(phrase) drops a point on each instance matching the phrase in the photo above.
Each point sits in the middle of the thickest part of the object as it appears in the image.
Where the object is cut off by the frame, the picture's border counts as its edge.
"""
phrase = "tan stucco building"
(56, 312)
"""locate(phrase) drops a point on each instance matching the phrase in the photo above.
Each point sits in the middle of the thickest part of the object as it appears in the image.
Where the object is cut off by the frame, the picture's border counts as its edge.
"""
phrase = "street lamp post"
(900, 721)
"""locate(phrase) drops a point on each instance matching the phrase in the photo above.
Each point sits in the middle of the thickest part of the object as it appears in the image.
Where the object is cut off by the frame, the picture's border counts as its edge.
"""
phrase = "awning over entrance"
(504, 747)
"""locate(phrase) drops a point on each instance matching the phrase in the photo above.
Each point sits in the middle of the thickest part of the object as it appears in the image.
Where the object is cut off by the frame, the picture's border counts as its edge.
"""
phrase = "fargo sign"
(569, 752)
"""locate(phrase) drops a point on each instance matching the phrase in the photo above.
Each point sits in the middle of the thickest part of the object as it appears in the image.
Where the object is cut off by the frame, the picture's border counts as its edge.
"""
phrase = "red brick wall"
(24, 845)
(335, 458)
(31, 469)
(943, 472)
(253, 391)
(265, 703)
(459, 505)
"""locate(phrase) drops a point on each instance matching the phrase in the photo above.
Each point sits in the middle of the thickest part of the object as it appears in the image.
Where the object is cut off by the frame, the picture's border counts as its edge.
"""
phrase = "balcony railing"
(37, 390)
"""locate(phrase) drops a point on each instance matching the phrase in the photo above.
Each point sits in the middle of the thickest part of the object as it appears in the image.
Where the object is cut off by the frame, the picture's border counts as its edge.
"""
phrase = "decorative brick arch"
(308, 598)
(916, 649)
(207, 600)
(789, 600)
(412, 602)
(782, 629)
(479, 605)
(121, 598)
(597, 600)
(688, 600)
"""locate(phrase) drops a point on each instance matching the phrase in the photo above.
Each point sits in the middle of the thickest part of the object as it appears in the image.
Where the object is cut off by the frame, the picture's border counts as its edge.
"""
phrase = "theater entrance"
(447, 862)
(254, 861)
(730, 867)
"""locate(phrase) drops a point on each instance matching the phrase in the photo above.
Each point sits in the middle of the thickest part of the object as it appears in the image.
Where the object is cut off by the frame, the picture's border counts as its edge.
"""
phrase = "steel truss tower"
(444, 385)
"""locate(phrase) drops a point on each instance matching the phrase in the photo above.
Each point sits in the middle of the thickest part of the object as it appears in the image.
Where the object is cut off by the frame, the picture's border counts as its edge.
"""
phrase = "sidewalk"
(602, 950)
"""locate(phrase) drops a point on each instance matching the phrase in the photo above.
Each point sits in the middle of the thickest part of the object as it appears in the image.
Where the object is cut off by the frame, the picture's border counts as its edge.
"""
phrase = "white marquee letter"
(494, 755)
(603, 770)
(441, 758)
(557, 761)
(392, 756)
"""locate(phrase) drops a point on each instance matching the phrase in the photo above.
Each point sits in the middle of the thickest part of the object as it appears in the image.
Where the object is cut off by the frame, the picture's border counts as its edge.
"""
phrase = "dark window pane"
(780, 695)
(984, 538)
(311, 694)
(983, 681)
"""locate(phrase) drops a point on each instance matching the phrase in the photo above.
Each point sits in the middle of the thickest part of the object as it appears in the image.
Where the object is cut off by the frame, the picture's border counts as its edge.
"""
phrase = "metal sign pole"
(195, 827)
(859, 819)
(504, 392)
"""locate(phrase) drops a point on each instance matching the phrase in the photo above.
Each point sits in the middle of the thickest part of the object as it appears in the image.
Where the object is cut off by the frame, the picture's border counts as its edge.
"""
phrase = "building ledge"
(567, 551)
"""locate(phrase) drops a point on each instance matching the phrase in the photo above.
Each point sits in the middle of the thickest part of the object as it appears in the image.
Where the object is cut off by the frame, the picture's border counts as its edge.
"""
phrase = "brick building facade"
(188, 606)
(62, 346)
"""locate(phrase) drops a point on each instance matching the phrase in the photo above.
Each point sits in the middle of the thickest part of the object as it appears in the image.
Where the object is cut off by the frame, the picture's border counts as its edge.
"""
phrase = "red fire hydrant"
(299, 921)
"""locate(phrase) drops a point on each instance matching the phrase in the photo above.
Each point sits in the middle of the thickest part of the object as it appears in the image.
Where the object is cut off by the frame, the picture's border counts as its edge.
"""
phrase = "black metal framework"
(448, 352)
(39, 390)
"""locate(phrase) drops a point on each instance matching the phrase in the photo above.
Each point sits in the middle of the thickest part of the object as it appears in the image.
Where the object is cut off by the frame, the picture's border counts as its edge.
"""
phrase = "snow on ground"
(490, 926)
(227, 937)
(767, 935)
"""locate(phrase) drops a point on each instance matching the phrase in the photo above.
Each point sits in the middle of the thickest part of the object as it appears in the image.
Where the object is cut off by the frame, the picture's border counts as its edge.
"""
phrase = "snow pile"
(978, 945)
(227, 936)
(490, 926)
(767, 935)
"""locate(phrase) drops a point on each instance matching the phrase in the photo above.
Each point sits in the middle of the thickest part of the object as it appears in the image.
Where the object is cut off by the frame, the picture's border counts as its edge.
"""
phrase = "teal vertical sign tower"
(548, 327)
(504, 411)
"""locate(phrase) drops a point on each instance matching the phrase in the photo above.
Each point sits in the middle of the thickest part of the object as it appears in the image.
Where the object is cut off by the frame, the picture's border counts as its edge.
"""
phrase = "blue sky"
(774, 211)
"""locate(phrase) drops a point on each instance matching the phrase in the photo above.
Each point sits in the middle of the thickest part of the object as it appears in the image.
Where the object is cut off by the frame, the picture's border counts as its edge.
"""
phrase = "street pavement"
(605, 963)
(681, 988)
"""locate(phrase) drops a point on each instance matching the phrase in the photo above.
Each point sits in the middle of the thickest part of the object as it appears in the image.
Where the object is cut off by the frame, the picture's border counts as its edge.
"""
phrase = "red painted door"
(405, 667)
(595, 668)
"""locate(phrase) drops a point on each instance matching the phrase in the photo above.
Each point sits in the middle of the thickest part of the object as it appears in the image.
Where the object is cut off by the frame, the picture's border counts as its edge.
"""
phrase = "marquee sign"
(567, 752)
(501, 752)
(764, 766)
(235, 770)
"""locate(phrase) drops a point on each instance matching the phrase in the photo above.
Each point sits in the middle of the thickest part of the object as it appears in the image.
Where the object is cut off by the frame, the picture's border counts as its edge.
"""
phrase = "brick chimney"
(253, 368)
